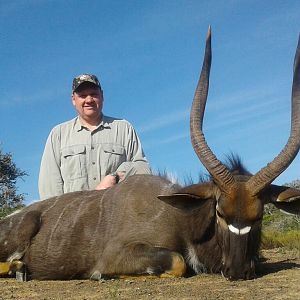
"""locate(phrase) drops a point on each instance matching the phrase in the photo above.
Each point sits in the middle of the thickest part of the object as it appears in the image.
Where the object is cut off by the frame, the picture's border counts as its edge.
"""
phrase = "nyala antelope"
(147, 225)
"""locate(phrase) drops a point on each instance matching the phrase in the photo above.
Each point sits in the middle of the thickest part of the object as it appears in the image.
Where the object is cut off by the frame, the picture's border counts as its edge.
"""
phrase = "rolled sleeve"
(136, 161)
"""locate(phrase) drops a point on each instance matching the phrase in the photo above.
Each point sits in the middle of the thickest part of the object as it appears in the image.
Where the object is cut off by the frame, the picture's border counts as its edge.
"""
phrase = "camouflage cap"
(78, 80)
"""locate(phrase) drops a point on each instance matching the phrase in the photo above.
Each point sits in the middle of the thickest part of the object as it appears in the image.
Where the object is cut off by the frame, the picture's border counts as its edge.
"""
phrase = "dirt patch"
(278, 278)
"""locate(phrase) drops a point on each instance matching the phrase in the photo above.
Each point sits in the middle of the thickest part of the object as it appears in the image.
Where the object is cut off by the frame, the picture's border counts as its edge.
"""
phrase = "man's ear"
(73, 99)
(283, 197)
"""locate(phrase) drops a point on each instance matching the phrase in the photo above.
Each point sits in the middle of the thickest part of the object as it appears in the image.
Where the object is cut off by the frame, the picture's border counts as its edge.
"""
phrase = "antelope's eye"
(219, 215)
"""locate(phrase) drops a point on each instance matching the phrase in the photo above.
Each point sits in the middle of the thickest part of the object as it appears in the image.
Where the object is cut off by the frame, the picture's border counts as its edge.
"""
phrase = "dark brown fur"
(84, 232)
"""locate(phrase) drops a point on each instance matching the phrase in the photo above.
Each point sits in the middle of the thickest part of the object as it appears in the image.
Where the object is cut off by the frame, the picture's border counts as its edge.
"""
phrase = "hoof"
(21, 276)
(97, 276)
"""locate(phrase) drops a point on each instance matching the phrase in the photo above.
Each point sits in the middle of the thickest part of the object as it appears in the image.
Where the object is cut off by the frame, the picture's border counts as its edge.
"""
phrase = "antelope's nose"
(242, 273)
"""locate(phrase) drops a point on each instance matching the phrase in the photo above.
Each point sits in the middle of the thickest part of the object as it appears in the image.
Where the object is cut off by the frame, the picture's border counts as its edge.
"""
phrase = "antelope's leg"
(10, 267)
(4, 268)
(139, 260)
(14, 267)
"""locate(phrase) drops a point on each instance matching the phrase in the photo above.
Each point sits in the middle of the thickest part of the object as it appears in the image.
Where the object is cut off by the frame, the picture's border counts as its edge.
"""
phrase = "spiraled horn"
(267, 174)
(221, 175)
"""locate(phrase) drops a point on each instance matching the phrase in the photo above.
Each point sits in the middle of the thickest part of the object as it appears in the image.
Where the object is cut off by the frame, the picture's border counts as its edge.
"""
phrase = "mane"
(166, 175)
(234, 163)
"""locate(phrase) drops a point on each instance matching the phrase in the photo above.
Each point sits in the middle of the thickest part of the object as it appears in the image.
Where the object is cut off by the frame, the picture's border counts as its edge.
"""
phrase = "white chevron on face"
(239, 231)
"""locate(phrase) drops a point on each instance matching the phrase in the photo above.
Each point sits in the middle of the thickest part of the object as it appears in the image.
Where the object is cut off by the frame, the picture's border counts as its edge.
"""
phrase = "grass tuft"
(286, 239)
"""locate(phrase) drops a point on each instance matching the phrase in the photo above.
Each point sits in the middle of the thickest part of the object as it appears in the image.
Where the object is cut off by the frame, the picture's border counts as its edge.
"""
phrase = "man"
(92, 151)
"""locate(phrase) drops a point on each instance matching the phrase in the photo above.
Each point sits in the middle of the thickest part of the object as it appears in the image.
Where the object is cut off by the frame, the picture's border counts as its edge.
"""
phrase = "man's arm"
(136, 161)
(50, 179)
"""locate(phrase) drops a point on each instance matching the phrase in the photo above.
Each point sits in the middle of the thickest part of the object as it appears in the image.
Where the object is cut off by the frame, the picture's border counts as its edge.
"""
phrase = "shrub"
(281, 229)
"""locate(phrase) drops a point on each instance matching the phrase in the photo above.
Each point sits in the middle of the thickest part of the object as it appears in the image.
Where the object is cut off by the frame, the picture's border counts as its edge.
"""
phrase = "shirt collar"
(103, 124)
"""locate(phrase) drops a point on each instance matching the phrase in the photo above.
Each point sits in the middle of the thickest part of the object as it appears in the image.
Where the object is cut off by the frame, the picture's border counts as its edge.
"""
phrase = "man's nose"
(89, 98)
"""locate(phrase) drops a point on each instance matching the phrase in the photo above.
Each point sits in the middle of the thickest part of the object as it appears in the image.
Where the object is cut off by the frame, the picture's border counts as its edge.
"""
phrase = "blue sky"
(147, 55)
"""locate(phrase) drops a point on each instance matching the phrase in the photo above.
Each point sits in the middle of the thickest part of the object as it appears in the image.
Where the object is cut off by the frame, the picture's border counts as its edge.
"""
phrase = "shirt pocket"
(113, 156)
(73, 162)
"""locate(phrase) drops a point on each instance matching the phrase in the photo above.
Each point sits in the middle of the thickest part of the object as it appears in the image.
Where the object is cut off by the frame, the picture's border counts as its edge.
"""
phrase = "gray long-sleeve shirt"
(76, 158)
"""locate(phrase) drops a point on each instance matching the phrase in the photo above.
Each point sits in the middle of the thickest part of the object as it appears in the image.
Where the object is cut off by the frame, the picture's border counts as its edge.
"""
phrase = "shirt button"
(92, 148)
(95, 178)
(93, 162)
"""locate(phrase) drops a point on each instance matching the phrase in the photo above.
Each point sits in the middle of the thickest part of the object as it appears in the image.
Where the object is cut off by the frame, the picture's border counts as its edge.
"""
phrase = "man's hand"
(110, 180)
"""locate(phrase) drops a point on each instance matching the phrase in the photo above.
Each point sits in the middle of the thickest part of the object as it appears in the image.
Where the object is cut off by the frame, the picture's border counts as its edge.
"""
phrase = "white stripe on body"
(193, 261)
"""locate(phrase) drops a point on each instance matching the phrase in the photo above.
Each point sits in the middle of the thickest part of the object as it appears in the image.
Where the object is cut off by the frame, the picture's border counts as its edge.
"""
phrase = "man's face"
(88, 101)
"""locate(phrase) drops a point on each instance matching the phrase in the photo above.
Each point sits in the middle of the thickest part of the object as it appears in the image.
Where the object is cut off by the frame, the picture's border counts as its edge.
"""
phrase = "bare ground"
(278, 278)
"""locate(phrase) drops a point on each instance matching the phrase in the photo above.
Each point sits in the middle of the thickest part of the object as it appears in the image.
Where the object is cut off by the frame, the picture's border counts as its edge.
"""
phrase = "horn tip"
(209, 32)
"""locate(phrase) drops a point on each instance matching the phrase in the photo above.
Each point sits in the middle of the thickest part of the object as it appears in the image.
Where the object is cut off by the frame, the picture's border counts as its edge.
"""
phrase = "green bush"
(280, 229)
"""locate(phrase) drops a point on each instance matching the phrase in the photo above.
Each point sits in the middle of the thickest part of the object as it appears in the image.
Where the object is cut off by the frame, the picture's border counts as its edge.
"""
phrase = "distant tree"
(294, 184)
(9, 173)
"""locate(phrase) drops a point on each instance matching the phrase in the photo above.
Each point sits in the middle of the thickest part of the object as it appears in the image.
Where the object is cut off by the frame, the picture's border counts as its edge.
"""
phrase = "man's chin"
(91, 112)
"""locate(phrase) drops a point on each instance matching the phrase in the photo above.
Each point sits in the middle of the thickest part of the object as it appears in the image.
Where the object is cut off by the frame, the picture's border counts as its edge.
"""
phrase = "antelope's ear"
(284, 198)
(190, 197)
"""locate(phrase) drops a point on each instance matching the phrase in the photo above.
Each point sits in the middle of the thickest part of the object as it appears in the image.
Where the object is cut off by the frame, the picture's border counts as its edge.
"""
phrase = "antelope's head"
(240, 200)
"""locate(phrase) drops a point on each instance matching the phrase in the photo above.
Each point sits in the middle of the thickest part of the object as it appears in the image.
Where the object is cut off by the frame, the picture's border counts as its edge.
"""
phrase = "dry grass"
(281, 239)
